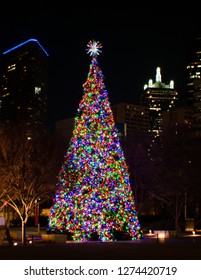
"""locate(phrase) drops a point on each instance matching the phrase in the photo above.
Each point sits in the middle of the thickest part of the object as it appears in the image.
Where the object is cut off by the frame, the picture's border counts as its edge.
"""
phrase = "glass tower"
(24, 85)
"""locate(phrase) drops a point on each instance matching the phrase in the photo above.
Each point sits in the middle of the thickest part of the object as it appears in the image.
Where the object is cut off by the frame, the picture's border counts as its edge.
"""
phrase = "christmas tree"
(94, 199)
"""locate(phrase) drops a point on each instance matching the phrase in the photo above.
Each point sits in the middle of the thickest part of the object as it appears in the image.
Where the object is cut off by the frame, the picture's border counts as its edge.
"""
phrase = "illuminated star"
(94, 48)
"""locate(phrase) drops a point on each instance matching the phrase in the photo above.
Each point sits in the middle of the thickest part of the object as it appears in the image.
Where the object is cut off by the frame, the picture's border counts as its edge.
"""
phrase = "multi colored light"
(94, 196)
(94, 48)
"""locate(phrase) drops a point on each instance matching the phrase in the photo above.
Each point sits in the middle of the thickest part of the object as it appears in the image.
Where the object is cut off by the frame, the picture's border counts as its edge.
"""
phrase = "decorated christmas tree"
(94, 199)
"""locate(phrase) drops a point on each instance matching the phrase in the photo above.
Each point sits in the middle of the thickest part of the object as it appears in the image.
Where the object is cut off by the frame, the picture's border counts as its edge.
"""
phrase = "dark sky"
(135, 41)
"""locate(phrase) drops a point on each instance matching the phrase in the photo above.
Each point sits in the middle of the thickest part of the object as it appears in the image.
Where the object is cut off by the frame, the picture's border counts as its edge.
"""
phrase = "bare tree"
(28, 170)
(176, 175)
(168, 190)
(136, 148)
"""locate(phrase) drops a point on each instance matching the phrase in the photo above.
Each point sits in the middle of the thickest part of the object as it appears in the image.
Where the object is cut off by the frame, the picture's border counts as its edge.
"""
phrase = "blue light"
(30, 40)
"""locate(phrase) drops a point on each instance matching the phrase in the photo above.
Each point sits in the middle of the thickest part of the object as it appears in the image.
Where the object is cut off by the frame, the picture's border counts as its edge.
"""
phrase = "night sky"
(135, 41)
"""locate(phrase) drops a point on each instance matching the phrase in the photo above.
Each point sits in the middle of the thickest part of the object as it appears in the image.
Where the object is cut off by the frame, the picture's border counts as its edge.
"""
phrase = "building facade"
(158, 97)
(179, 119)
(24, 85)
(131, 119)
(194, 85)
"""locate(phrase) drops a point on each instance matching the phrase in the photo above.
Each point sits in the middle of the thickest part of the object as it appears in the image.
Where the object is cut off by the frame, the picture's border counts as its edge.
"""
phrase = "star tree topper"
(94, 48)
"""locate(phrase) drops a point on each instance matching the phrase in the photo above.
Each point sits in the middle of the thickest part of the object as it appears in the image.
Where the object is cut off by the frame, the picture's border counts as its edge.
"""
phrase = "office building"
(131, 119)
(158, 97)
(179, 120)
(194, 85)
(24, 86)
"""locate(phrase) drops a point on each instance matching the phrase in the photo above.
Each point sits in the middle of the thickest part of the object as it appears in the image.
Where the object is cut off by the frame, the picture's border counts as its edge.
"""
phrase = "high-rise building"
(24, 85)
(179, 119)
(194, 85)
(158, 97)
(131, 119)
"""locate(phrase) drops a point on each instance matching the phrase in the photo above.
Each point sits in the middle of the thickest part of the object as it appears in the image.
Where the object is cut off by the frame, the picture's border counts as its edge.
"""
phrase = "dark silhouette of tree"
(192, 177)
(28, 168)
(176, 175)
(141, 169)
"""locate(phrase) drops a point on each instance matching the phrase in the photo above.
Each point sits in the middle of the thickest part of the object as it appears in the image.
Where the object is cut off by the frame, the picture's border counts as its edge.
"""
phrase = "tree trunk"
(23, 232)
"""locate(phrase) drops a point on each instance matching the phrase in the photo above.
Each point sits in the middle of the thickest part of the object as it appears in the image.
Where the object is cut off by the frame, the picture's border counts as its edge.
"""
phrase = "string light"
(94, 199)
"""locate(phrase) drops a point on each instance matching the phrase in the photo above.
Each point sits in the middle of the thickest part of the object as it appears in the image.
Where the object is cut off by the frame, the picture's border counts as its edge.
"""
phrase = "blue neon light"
(30, 40)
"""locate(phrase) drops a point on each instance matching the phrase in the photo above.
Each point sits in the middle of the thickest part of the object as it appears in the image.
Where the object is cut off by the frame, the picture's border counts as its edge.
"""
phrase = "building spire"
(158, 75)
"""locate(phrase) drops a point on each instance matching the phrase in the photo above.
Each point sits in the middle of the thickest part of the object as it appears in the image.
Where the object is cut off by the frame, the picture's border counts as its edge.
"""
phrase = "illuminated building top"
(24, 86)
(158, 82)
(20, 45)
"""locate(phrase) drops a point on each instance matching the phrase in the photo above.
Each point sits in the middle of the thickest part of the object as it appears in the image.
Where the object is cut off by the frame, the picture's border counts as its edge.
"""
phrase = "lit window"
(11, 67)
(37, 90)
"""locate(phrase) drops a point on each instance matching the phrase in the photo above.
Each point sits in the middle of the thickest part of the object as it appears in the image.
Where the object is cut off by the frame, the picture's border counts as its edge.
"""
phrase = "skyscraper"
(24, 85)
(194, 85)
(158, 97)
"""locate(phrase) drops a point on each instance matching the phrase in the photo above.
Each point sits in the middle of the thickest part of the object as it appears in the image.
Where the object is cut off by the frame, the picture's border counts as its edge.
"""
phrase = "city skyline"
(135, 42)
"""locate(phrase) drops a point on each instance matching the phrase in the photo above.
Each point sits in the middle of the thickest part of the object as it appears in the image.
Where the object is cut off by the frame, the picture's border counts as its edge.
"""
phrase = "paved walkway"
(187, 247)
